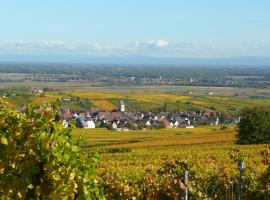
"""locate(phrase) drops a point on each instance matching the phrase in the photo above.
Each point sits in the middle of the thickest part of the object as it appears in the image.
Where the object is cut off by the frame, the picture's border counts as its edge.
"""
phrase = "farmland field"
(104, 104)
(172, 141)
(145, 101)
(150, 100)
(86, 86)
(129, 156)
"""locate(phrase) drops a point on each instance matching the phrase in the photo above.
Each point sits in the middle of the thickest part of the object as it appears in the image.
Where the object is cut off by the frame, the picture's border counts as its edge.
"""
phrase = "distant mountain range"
(138, 60)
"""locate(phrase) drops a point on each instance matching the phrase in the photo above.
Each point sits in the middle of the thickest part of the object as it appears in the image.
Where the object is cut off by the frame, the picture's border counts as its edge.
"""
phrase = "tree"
(38, 159)
(165, 107)
(79, 123)
(131, 125)
(254, 126)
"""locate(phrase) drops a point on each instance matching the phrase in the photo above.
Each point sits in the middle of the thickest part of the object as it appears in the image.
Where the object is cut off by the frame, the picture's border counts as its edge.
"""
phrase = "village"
(120, 120)
(81, 113)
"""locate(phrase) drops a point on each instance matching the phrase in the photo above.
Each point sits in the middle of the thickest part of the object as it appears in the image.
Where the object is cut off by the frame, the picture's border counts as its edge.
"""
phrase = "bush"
(254, 126)
(223, 127)
(118, 150)
(39, 161)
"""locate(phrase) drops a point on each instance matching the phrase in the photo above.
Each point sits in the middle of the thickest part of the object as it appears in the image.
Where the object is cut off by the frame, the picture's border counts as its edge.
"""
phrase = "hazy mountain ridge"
(138, 59)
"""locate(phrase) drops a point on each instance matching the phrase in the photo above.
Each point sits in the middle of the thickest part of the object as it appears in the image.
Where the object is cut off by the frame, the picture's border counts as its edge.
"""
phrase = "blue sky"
(171, 28)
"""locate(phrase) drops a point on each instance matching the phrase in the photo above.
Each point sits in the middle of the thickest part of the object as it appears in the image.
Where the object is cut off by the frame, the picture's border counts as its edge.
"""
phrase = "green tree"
(165, 107)
(38, 159)
(131, 125)
(254, 126)
(79, 123)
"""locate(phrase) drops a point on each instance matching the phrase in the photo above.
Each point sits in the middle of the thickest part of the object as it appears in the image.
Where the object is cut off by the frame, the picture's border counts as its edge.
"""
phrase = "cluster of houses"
(121, 120)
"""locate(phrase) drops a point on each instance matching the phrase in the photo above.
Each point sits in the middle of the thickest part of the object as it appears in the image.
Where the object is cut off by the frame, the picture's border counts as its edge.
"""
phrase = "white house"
(114, 125)
(217, 122)
(176, 124)
(162, 117)
(89, 124)
(148, 123)
(65, 123)
(76, 115)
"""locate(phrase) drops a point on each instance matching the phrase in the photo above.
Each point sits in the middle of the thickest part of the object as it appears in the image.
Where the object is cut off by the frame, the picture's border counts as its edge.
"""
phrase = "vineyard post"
(241, 166)
(186, 185)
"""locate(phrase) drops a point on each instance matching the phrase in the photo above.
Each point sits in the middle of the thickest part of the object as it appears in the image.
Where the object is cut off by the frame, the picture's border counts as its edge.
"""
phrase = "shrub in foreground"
(39, 161)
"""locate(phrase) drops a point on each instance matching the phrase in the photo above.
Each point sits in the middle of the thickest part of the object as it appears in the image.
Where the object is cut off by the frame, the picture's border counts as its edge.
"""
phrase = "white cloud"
(159, 48)
(53, 43)
(161, 43)
(99, 47)
(152, 44)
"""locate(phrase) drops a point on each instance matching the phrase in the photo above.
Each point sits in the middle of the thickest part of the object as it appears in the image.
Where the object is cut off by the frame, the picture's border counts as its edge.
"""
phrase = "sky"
(158, 28)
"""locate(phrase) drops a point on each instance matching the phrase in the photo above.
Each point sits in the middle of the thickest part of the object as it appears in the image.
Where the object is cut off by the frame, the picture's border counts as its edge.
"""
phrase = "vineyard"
(146, 99)
(142, 100)
(104, 104)
(151, 164)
